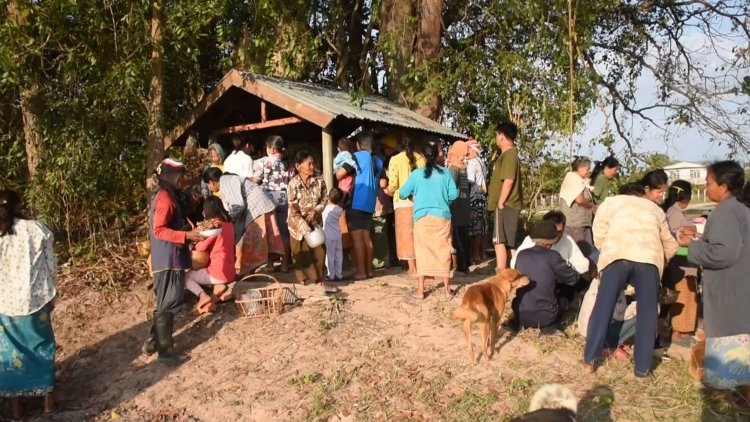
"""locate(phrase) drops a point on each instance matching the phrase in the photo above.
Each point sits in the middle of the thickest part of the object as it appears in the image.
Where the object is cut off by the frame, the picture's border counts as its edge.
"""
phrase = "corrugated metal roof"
(338, 103)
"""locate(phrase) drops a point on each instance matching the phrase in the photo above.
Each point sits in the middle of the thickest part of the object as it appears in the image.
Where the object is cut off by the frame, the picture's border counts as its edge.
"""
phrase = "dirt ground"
(369, 353)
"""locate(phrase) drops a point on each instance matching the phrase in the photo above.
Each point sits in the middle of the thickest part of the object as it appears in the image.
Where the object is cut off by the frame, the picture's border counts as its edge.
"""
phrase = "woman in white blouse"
(27, 289)
(239, 161)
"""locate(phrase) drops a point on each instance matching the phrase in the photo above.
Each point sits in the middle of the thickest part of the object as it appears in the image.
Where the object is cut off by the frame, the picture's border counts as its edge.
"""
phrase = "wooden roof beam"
(262, 125)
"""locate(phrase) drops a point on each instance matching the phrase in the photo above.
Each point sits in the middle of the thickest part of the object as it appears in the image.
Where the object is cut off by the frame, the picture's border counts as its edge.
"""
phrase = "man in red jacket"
(170, 258)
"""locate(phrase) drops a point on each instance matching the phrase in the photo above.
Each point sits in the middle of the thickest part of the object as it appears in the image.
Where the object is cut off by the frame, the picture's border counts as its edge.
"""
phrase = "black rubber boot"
(149, 346)
(164, 323)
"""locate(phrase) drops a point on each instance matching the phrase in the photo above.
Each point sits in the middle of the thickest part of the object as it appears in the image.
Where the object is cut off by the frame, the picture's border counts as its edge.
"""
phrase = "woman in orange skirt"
(399, 169)
(432, 189)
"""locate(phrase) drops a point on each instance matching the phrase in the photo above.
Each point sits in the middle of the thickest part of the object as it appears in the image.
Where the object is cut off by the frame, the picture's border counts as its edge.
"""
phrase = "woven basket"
(261, 295)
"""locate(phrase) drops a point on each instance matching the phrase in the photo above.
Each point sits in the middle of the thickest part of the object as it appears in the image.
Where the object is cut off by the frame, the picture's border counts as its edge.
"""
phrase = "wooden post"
(262, 111)
(327, 140)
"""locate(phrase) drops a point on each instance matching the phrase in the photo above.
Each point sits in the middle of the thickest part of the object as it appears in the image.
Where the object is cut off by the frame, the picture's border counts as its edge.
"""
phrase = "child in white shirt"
(331, 217)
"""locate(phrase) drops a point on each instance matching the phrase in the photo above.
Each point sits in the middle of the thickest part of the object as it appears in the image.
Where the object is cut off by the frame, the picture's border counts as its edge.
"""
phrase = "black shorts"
(505, 229)
(358, 220)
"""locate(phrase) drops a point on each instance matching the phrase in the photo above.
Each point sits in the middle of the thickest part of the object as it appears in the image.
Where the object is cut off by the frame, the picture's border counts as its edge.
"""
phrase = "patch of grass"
(306, 379)
(473, 407)
(321, 390)
(335, 308)
(326, 324)
(430, 392)
(321, 404)
(388, 385)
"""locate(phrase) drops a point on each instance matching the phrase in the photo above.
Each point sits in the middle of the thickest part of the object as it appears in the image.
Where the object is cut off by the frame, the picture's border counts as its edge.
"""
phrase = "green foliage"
(90, 61)
(87, 66)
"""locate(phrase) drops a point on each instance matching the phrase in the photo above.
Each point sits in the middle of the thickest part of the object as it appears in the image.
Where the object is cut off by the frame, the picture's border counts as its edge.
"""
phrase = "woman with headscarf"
(460, 206)
(27, 290)
(400, 168)
(476, 172)
(216, 158)
(170, 258)
(577, 204)
(307, 199)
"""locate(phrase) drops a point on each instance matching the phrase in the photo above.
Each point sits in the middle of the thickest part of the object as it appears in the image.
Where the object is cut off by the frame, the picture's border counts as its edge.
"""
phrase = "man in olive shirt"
(505, 194)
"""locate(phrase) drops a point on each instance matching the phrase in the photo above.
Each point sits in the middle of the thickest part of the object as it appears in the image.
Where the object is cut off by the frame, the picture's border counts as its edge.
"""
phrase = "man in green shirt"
(505, 194)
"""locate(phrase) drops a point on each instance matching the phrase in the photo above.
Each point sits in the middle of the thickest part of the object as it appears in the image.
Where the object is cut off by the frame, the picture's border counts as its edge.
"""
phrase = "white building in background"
(695, 173)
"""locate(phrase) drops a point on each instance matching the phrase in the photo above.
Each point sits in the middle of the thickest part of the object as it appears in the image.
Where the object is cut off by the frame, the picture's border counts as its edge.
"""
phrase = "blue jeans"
(620, 332)
(617, 275)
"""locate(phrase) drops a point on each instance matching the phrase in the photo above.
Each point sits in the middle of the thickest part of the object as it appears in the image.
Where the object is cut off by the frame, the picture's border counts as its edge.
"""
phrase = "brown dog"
(485, 303)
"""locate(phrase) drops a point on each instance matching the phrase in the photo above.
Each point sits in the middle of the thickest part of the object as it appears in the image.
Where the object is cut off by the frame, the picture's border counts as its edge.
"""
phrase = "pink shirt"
(221, 257)
(346, 183)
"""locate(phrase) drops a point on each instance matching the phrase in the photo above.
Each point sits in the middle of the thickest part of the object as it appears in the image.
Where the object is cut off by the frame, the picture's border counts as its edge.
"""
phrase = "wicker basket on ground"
(261, 295)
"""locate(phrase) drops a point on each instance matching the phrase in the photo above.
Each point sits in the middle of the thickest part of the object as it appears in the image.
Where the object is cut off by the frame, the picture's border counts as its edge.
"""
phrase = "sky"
(679, 142)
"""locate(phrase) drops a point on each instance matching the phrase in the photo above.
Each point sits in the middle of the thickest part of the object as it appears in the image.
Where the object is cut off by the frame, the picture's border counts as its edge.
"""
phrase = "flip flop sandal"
(621, 354)
(412, 296)
(329, 290)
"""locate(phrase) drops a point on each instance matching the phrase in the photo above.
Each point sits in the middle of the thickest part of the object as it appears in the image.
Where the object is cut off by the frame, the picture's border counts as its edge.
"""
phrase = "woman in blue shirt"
(432, 189)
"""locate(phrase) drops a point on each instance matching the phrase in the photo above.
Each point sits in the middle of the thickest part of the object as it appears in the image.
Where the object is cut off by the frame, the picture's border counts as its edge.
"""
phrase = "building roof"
(684, 165)
(317, 104)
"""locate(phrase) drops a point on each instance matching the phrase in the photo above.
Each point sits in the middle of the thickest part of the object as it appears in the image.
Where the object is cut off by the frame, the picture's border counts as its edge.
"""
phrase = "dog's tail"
(467, 314)
(554, 396)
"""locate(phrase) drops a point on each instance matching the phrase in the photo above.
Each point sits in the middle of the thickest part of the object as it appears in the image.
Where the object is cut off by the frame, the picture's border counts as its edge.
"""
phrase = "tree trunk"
(398, 33)
(31, 106)
(428, 47)
(410, 43)
(349, 42)
(155, 102)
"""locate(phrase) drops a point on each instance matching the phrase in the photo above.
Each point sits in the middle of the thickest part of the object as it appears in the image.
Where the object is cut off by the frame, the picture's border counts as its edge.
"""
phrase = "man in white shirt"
(565, 246)
(239, 161)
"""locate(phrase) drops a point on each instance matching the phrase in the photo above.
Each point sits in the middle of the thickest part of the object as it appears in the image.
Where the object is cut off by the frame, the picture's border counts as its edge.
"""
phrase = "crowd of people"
(608, 253)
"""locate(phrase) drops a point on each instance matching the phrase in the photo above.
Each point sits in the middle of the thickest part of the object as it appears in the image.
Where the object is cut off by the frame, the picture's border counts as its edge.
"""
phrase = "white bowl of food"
(210, 232)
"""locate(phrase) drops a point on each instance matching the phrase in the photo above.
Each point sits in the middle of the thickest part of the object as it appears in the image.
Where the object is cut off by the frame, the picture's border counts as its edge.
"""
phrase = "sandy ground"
(369, 354)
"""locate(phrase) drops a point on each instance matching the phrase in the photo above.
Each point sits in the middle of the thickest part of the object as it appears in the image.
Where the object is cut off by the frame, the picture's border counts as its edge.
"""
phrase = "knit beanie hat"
(545, 233)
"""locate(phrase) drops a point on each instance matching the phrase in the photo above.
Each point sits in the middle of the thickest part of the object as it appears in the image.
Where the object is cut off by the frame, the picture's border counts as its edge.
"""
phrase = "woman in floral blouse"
(307, 198)
(271, 173)
(27, 289)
